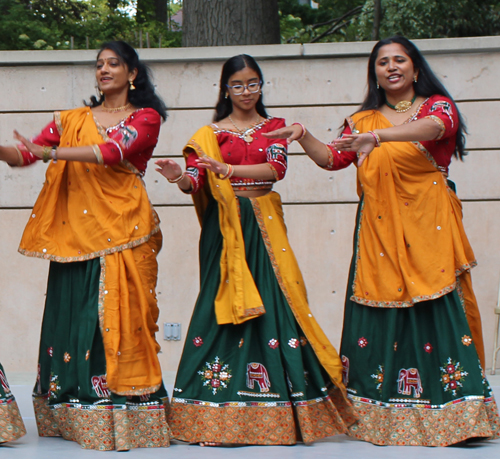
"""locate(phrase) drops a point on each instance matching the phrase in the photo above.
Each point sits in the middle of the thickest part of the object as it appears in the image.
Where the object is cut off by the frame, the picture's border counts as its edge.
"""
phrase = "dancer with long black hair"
(99, 379)
(412, 345)
(256, 367)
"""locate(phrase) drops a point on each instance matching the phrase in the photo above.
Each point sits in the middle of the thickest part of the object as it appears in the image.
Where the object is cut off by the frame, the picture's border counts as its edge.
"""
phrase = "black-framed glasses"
(239, 89)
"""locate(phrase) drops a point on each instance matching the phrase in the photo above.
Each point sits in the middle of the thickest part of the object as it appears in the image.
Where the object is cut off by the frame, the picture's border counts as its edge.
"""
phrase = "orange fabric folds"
(86, 211)
(269, 213)
(238, 299)
(412, 244)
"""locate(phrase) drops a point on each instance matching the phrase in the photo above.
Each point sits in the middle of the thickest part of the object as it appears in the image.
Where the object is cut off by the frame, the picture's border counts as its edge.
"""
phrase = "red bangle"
(304, 131)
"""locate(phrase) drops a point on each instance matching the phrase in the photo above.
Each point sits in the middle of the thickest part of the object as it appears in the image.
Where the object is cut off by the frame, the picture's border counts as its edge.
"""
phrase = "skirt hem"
(104, 427)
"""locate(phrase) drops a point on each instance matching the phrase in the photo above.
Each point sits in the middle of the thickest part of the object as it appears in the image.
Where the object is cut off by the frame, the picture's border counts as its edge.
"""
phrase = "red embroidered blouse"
(236, 151)
(438, 108)
(134, 139)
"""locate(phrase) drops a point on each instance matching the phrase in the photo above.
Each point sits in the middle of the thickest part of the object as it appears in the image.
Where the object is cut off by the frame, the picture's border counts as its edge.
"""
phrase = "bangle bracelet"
(304, 131)
(98, 154)
(229, 173)
(53, 153)
(376, 137)
(178, 179)
(46, 154)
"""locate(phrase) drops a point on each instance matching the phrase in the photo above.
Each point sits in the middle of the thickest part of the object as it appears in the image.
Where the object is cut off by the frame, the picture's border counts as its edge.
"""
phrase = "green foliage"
(50, 24)
(429, 19)
(411, 18)
(332, 21)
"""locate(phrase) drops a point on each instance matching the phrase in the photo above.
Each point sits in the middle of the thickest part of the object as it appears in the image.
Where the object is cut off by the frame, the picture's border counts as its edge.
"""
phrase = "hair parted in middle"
(234, 64)
(427, 85)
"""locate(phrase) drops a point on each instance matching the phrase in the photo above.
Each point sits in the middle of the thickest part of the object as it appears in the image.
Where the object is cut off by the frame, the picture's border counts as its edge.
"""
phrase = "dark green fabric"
(292, 370)
(71, 328)
(5, 393)
(428, 337)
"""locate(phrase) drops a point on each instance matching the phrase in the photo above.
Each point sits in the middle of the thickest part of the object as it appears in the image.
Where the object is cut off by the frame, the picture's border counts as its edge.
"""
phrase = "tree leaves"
(411, 18)
(55, 24)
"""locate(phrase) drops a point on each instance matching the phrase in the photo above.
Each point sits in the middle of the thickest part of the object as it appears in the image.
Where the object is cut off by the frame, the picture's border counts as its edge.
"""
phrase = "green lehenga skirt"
(259, 382)
(71, 397)
(414, 375)
(11, 423)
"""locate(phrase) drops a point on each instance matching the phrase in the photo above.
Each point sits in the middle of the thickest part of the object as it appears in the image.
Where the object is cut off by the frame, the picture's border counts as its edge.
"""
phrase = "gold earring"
(132, 87)
(378, 86)
(226, 95)
(415, 78)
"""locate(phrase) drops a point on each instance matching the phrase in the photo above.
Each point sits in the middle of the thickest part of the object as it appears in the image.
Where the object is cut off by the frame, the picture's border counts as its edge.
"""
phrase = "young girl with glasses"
(256, 367)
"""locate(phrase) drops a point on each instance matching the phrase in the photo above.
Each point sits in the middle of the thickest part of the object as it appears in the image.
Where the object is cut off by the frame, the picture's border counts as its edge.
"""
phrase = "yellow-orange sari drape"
(87, 211)
(238, 299)
(412, 245)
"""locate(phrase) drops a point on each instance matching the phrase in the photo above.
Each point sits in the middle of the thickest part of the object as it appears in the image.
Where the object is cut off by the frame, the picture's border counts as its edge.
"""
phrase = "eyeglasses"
(239, 89)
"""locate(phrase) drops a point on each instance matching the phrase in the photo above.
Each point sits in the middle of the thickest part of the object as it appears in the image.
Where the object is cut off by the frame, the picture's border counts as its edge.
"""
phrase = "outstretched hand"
(290, 133)
(362, 144)
(168, 168)
(33, 148)
(205, 162)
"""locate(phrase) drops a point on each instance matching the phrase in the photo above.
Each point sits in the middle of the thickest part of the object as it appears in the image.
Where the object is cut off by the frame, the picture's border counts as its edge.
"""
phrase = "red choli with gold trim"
(236, 151)
(438, 108)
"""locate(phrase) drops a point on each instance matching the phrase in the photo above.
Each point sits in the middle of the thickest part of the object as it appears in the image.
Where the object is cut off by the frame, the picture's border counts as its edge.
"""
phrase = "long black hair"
(427, 85)
(144, 95)
(224, 105)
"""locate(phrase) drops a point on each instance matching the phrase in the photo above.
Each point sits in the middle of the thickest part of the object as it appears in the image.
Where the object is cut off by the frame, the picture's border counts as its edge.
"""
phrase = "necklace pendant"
(248, 138)
(403, 106)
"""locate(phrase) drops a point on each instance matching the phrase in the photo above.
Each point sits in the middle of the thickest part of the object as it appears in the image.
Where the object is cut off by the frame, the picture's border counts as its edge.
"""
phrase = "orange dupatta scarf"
(86, 211)
(238, 299)
(412, 245)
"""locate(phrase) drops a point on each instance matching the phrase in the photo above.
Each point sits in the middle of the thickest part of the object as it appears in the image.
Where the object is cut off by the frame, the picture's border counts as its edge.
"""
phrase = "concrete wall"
(316, 84)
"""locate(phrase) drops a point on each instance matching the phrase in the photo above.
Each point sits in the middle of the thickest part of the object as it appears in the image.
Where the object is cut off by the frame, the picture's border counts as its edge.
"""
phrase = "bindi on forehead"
(108, 59)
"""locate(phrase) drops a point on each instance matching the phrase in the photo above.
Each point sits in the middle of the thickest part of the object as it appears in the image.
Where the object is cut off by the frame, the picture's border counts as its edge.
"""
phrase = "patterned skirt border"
(11, 423)
(104, 427)
(419, 424)
(266, 423)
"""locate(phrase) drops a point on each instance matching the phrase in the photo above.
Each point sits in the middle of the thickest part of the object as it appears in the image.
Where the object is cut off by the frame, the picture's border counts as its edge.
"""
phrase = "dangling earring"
(132, 87)
(378, 86)
(226, 96)
(98, 90)
(414, 78)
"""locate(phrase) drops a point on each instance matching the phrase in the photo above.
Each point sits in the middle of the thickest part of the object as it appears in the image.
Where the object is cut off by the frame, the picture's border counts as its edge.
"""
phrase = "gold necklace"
(245, 133)
(117, 109)
(403, 105)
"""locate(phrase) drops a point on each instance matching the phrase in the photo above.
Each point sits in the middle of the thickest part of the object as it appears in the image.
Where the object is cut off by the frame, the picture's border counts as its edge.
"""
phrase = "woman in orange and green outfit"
(412, 345)
(99, 379)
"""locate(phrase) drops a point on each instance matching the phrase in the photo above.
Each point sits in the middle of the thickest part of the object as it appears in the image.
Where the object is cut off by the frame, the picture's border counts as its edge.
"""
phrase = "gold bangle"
(178, 179)
(46, 154)
(376, 137)
(98, 154)
(229, 173)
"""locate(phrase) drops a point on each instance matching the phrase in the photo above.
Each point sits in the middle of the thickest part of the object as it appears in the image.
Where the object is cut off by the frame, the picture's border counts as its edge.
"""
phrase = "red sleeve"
(340, 159)
(47, 138)
(443, 111)
(277, 152)
(195, 174)
(137, 135)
